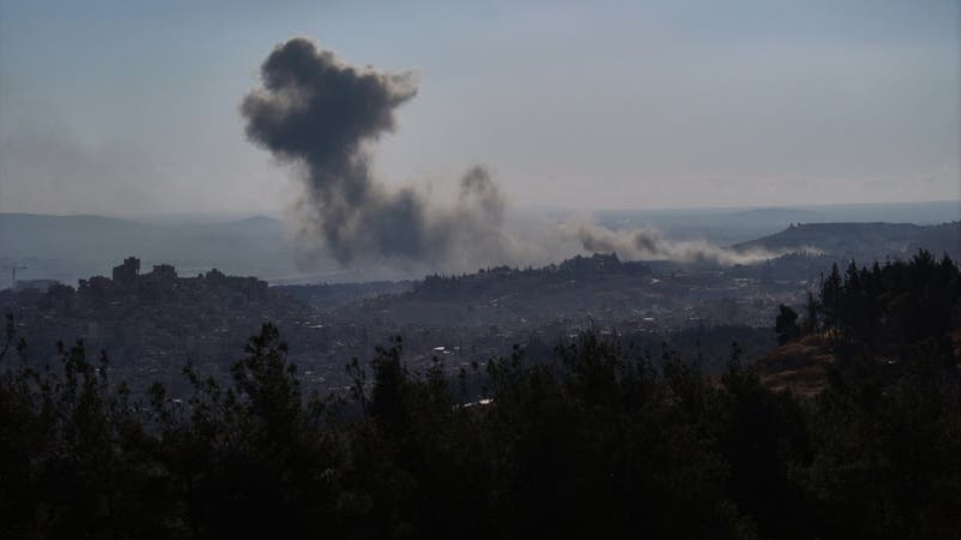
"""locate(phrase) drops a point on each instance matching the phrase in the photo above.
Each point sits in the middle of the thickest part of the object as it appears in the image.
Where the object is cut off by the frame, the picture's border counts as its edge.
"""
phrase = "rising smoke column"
(323, 116)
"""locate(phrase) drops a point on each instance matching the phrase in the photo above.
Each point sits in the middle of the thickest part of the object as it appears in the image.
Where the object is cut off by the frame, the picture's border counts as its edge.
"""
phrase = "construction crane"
(13, 274)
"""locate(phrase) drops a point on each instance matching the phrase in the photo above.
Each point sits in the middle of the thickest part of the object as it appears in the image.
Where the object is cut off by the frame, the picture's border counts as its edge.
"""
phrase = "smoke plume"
(322, 116)
(649, 244)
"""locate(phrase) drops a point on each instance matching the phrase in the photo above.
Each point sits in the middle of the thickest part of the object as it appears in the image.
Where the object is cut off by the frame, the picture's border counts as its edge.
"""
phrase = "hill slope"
(864, 241)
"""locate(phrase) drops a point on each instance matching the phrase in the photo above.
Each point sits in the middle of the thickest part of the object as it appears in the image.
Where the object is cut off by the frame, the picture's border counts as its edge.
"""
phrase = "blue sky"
(131, 107)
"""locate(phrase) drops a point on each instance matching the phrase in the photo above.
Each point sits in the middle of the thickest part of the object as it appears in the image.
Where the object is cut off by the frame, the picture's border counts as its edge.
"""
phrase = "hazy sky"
(130, 107)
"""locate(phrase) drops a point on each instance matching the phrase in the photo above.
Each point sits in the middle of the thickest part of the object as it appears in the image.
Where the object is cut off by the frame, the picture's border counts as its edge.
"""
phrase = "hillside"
(869, 325)
(584, 290)
(561, 442)
(727, 226)
(863, 241)
(800, 366)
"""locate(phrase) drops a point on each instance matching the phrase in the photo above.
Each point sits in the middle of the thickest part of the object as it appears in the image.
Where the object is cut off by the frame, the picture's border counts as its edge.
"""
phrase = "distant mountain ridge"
(67, 248)
(726, 226)
(864, 241)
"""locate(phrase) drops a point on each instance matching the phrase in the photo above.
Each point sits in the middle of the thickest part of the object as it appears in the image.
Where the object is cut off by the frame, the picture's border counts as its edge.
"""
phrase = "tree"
(786, 325)
(832, 292)
(811, 323)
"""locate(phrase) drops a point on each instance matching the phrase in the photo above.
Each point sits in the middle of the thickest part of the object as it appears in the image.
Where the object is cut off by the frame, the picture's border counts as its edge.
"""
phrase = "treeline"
(601, 441)
(881, 310)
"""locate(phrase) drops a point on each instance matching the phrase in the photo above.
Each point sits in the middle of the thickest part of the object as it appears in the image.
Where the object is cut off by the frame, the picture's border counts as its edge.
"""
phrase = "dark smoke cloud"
(322, 115)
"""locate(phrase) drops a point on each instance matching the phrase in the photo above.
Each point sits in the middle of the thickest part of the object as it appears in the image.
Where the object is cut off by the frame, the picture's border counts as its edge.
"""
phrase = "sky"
(131, 108)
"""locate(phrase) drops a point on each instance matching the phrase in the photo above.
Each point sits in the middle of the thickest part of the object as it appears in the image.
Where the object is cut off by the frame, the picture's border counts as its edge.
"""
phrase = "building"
(128, 271)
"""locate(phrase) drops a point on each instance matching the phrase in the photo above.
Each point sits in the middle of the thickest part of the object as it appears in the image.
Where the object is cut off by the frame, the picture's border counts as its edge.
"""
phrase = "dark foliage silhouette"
(598, 440)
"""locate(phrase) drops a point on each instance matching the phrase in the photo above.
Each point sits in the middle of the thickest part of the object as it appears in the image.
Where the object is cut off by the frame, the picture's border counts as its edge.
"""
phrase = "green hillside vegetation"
(598, 441)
